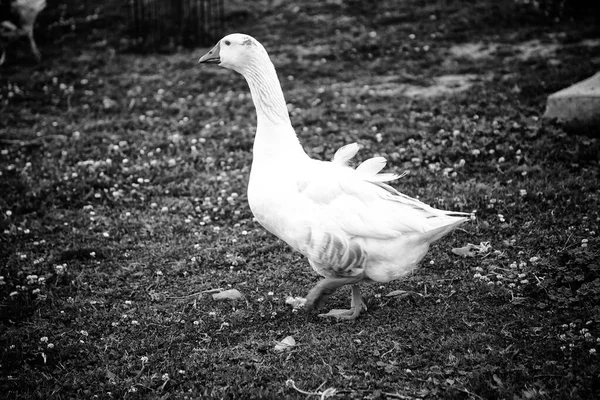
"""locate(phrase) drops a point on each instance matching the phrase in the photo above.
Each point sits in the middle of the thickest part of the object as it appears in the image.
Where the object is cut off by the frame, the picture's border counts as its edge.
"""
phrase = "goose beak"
(213, 56)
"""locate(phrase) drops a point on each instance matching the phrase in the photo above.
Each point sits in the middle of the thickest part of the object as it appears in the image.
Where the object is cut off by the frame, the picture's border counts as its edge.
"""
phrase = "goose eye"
(227, 43)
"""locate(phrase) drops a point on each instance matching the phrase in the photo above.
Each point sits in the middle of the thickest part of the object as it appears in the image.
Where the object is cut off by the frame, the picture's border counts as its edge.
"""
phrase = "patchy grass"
(123, 204)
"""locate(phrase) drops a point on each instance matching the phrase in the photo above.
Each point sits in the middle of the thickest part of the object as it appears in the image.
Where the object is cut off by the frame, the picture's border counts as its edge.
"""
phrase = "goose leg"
(34, 48)
(325, 288)
(356, 306)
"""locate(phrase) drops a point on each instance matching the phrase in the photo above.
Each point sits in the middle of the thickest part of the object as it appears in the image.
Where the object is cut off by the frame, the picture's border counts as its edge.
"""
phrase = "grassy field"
(123, 207)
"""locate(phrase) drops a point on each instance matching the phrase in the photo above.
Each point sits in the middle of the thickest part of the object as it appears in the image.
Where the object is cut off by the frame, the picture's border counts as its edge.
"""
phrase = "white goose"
(350, 225)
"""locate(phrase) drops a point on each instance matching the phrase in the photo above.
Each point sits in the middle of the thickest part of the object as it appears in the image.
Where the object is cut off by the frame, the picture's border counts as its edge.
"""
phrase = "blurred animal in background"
(17, 18)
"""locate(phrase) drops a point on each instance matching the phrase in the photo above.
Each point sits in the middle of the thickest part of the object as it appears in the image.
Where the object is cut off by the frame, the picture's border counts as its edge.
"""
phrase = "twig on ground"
(398, 395)
(195, 294)
(330, 392)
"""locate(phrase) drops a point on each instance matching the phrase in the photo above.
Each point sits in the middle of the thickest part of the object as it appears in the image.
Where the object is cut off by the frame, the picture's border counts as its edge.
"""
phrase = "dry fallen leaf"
(471, 250)
(231, 294)
(285, 344)
(295, 302)
(111, 376)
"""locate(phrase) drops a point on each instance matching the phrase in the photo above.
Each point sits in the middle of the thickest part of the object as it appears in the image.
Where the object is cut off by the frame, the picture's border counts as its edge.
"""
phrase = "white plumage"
(349, 223)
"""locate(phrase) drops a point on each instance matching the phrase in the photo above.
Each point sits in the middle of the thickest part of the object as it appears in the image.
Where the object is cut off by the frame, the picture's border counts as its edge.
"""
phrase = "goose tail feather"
(449, 225)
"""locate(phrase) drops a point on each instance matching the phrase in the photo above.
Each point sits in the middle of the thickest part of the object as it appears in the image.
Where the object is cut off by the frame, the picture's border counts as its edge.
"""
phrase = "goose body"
(349, 223)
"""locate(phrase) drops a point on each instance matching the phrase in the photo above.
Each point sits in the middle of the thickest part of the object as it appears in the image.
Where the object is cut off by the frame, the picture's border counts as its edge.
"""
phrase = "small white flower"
(44, 339)
(144, 359)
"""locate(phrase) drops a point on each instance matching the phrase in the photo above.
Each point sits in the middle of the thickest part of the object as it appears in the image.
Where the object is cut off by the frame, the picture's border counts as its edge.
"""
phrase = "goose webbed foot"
(356, 307)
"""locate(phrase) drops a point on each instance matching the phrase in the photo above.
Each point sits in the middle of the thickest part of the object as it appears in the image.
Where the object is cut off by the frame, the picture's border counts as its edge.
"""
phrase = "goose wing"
(358, 203)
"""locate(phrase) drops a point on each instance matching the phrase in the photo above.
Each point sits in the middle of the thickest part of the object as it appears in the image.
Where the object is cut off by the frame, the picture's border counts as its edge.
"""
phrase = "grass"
(123, 181)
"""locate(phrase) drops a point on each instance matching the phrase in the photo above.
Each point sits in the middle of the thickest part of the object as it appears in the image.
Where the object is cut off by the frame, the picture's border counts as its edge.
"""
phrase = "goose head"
(236, 51)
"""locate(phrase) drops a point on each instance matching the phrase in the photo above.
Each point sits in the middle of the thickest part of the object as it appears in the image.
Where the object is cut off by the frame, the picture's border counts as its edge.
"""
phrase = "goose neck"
(266, 93)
